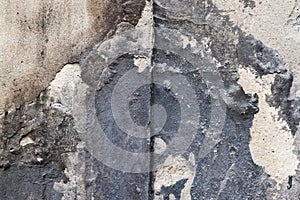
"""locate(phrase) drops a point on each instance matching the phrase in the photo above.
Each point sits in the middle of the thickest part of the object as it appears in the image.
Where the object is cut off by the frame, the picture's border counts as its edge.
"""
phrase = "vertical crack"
(151, 127)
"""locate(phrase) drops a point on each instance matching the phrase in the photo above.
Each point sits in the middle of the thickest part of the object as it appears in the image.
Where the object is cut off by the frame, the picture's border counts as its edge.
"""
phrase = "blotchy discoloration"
(271, 142)
(178, 37)
(38, 38)
(75, 171)
(275, 23)
(173, 170)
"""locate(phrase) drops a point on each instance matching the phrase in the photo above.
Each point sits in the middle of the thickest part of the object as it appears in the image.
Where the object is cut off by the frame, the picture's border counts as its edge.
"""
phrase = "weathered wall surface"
(39, 37)
(276, 23)
(149, 99)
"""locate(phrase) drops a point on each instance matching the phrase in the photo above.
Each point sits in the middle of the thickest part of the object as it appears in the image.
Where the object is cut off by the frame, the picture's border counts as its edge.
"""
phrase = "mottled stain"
(40, 37)
(39, 144)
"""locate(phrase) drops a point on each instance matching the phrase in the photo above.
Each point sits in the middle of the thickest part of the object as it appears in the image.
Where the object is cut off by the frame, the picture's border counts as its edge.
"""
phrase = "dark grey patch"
(263, 59)
(281, 88)
(109, 184)
(106, 118)
(35, 182)
(290, 182)
(248, 3)
(51, 129)
(229, 172)
(173, 189)
(132, 10)
(280, 98)
(53, 133)
(233, 150)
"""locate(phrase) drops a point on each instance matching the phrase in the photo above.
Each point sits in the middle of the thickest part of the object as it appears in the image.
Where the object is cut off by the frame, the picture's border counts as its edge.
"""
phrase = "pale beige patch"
(38, 36)
(271, 142)
(146, 24)
(172, 197)
(186, 192)
(39, 159)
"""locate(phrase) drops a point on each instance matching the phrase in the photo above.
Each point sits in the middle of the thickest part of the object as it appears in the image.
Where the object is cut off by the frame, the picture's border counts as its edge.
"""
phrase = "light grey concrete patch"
(63, 88)
(75, 188)
(174, 169)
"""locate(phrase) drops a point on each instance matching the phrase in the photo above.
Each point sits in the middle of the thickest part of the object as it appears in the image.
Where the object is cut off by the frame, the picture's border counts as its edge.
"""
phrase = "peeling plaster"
(271, 145)
(62, 88)
(271, 142)
(274, 22)
(146, 23)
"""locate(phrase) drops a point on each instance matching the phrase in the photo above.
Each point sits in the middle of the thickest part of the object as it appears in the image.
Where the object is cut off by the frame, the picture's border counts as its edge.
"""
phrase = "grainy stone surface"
(160, 100)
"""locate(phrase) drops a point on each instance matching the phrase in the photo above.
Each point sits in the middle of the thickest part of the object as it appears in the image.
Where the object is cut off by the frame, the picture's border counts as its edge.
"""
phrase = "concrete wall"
(131, 99)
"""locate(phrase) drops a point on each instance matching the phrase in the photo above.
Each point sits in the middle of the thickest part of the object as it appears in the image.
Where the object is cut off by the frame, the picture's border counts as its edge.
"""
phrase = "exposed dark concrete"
(223, 168)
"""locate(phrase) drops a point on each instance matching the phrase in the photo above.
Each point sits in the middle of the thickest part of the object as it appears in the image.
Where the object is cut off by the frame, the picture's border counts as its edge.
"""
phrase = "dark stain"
(35, 182)
(280, 98)
(264, 60)
(106, 15)
(248, 3)
(290, 182)
(173, 189)
(53, 133)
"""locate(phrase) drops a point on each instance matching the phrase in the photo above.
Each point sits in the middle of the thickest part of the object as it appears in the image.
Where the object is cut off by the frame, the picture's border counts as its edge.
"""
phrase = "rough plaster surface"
(246, 143)
(275, 22)
(271, 143)
(39, 37)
